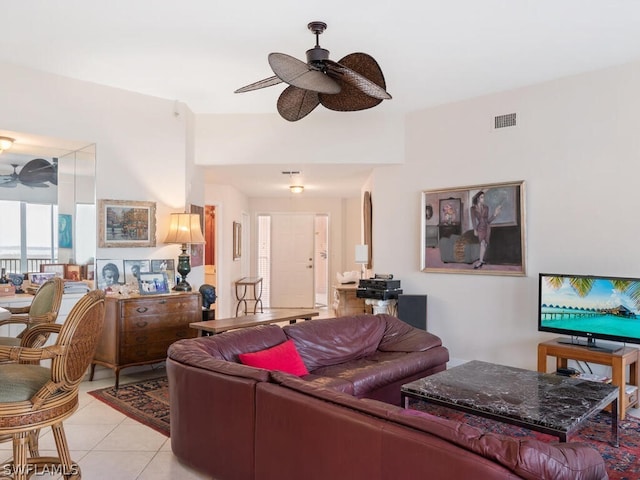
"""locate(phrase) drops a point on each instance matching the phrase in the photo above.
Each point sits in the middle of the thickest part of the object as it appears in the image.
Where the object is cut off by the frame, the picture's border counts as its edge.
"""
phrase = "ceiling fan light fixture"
(5, 143)
(296, 188)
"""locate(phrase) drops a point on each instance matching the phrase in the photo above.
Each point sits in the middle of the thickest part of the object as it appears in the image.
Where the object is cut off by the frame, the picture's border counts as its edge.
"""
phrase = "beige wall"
(577, 148)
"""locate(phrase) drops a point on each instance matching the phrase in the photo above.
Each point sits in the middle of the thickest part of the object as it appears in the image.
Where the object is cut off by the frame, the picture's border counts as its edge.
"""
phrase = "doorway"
(293, 259)
(210, 271)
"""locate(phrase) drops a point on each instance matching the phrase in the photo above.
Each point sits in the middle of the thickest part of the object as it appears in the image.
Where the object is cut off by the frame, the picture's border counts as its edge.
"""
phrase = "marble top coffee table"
(543, 402)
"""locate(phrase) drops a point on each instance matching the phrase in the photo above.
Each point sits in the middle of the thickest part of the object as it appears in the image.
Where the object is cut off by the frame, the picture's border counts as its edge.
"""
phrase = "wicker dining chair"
(44, 308)
(34, 396)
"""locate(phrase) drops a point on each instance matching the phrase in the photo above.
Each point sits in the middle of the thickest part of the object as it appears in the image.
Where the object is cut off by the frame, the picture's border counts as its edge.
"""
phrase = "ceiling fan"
(354, 83)
(35, 173)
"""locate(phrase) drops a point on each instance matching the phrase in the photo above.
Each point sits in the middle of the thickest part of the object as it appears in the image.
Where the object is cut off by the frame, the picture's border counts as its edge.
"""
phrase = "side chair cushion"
(43, 301)
(10, 341)
(20, 382)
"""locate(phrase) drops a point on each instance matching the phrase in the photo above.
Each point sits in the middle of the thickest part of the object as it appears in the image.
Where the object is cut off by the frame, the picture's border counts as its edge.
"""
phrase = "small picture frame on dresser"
(153, 283)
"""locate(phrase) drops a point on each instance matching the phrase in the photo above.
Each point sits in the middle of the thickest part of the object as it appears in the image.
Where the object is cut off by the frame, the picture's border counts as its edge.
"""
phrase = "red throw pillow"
(283, 357)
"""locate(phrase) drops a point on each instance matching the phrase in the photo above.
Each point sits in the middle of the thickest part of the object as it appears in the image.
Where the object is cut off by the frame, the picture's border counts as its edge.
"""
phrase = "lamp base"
(184, 268)
(182, 286)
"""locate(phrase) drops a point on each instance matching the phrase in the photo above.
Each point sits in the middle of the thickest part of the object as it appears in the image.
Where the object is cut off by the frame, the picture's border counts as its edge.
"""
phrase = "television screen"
(590, 307)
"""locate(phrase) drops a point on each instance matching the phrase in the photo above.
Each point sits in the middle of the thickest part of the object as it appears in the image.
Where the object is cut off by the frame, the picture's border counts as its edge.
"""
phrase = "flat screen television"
(588, 308)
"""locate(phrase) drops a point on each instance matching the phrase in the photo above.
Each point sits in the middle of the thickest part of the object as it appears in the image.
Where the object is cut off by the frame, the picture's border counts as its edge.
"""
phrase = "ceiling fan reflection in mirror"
(354, 83)
(36, 173)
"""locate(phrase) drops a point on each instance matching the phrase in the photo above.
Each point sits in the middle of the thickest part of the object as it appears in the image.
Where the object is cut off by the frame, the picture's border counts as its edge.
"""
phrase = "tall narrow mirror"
(47, 202)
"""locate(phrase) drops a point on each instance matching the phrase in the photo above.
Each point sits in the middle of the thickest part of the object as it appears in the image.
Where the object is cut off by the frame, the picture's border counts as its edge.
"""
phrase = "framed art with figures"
(476, 229)
(123, 223)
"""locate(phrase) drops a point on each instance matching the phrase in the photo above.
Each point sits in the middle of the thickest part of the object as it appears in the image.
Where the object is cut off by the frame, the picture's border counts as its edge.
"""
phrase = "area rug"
(623, 463)
(146, 402)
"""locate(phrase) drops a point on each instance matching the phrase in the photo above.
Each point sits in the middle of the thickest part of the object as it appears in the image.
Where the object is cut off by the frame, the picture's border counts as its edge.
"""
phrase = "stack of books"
(71, 286)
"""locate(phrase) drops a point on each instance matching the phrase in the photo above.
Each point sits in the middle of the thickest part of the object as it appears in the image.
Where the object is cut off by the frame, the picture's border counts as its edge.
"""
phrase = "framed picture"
(73, 272)
(109, 273)
(477, 229)
(152, 283)
(132, 269)
(57, 268)
(126, 224)
(168, 266)
(65, 231)
(38, 278)
(237, 240)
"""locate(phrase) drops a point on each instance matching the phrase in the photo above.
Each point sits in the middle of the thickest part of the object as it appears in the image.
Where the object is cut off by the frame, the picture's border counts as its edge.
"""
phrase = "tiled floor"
(109, 445)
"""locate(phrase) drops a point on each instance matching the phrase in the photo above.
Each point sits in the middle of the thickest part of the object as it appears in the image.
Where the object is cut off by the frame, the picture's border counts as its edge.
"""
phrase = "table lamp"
(184, 229)
(362, 257)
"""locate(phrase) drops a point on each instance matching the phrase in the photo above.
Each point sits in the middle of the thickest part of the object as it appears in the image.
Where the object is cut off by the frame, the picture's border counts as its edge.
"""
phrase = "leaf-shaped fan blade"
(267, 82)
(362, 83)
(294, 72)
(36, 172)
(8, 181)
(296, 103)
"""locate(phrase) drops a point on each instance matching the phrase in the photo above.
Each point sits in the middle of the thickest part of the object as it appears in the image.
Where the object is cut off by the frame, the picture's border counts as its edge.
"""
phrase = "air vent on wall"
(508, 120)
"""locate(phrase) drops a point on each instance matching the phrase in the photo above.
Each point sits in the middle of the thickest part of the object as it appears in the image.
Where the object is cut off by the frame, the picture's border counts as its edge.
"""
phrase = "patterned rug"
(146, 402)
(623, 463)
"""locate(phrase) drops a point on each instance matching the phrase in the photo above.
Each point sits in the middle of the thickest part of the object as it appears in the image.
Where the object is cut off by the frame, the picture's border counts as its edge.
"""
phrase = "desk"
(244, 321)
(4, 314)
(618, 361)
(241, 293)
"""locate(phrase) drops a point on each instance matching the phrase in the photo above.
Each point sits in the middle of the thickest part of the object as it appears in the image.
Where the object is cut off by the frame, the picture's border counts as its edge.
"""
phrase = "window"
(28, 235)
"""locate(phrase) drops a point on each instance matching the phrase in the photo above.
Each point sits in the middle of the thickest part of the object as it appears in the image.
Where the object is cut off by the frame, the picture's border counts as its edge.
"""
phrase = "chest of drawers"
(139, 330)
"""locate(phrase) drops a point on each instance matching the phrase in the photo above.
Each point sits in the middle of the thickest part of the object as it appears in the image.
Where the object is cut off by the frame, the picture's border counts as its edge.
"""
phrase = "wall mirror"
(47, 202)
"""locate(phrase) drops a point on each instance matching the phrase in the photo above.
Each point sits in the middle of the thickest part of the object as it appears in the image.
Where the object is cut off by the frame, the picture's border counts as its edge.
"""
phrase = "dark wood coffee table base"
(542, 402)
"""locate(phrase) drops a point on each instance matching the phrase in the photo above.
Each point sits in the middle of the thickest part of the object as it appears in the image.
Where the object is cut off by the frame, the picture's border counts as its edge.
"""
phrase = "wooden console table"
(224, 324)
(618, 361)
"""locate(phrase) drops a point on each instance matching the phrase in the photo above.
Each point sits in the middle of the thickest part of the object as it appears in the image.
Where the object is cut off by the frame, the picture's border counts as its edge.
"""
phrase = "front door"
(292, 247)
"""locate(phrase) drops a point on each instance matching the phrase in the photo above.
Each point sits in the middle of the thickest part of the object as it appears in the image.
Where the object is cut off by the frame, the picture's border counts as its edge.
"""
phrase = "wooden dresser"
(138, 330)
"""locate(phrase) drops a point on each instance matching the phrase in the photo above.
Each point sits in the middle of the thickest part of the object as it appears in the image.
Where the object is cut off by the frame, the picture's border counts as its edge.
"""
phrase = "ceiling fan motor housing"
(317, 55)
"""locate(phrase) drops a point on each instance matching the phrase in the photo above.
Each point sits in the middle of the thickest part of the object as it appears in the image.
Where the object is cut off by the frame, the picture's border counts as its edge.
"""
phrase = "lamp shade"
(362, 254)
(184, 228)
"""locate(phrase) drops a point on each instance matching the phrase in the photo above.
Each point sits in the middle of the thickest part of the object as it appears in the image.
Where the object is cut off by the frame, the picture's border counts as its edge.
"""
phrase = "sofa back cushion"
(330, 341)
(228, 345)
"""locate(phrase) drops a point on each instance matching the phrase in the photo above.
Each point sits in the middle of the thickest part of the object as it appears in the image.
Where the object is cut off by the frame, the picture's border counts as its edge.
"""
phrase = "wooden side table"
(618, 361)
(241, 294)
(345, 301)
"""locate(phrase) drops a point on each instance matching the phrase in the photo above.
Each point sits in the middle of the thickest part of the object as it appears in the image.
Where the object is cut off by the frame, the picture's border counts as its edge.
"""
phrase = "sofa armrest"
(402, 337)
(193, 353)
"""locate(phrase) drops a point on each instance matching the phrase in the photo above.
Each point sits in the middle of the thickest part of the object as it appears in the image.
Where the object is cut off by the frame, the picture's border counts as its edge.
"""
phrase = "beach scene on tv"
(606, 306)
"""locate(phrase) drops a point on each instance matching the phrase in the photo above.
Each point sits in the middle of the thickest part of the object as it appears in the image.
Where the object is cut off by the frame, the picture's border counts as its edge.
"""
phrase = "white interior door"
(292, 247)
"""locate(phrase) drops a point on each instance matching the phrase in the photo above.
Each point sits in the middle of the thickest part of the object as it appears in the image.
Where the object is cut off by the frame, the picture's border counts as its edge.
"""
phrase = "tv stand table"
(618, 361)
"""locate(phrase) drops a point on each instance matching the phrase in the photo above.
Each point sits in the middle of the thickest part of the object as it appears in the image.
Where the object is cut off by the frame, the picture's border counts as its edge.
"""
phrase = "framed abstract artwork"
(476, 229)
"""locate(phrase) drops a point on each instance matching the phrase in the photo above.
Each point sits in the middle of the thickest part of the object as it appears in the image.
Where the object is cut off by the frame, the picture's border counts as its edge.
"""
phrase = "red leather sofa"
(342, 420)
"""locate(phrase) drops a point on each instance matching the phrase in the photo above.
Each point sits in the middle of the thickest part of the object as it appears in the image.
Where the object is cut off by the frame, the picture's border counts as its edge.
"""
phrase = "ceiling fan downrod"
(317, 54)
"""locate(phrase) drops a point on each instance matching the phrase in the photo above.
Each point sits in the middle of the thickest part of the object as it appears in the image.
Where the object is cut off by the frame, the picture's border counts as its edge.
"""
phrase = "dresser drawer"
(166, 336)
(159, 306)
(144, 353)
(158, 322)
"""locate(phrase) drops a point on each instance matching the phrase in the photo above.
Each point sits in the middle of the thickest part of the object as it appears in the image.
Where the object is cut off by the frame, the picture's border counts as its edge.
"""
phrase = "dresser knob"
(141, 309)
(141, 323)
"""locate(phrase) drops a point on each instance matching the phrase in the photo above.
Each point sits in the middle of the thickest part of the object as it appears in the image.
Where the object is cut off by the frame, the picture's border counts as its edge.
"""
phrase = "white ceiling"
(431, 51)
